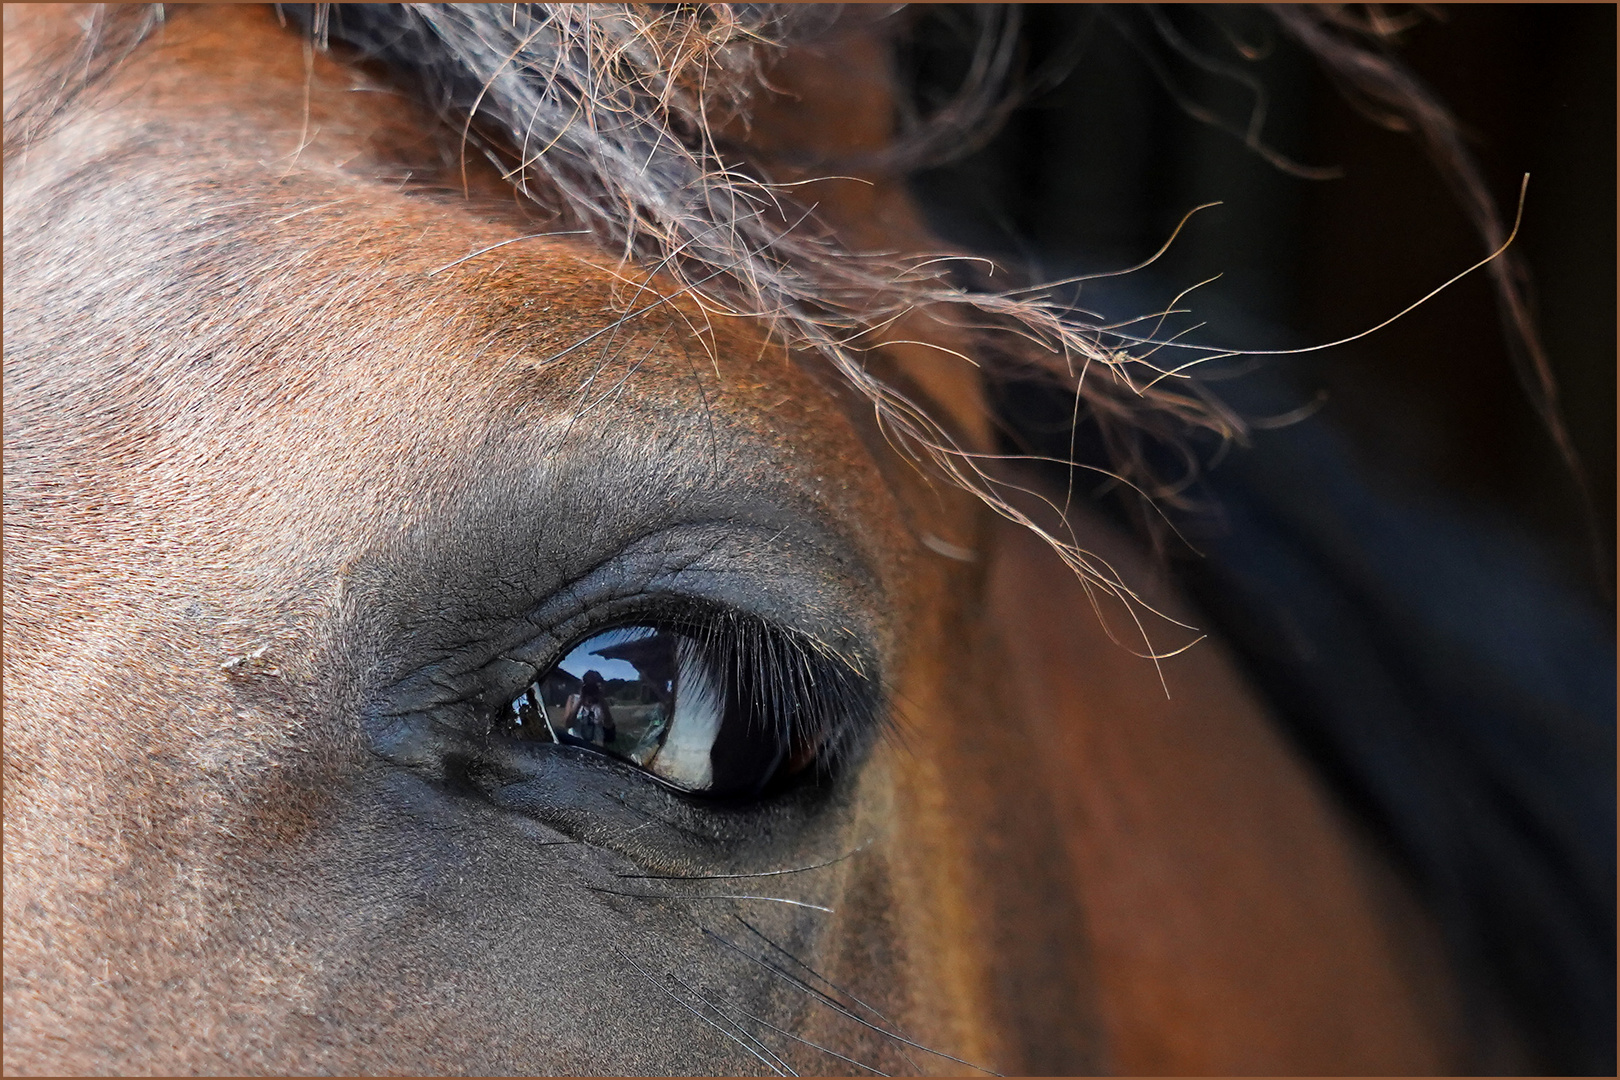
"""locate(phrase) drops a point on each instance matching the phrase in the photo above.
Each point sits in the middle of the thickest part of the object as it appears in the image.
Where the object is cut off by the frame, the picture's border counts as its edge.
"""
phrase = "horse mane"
(620, 121)
(623, 121)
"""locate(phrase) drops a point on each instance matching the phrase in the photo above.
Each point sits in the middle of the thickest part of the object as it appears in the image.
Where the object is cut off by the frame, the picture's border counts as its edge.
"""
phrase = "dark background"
(1411, 576)
(1094, 174)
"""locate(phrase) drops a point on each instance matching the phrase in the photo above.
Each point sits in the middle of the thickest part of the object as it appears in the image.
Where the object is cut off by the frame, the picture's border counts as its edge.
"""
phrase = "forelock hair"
(609, 116)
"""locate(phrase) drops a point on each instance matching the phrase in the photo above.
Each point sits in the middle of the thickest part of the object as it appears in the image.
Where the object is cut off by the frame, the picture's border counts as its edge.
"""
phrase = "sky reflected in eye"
(584, 656)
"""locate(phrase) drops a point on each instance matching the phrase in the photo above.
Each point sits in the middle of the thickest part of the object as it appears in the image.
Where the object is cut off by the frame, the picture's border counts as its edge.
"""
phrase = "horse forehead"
(276, 306)
(227, 164)
(315, 278)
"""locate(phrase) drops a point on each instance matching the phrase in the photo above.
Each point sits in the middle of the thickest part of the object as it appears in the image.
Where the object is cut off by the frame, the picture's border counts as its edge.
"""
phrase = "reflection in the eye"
(637, 692)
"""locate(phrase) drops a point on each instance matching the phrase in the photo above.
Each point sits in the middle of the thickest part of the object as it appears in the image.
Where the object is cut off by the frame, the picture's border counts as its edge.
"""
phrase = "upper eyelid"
(675, 578)
(540, 634)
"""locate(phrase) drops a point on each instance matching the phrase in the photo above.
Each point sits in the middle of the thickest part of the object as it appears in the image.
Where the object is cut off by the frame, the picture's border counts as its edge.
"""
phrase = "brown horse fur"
(275, 446)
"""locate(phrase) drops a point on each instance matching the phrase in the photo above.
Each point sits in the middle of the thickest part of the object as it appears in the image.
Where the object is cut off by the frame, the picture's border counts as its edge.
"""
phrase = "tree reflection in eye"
(653, 697)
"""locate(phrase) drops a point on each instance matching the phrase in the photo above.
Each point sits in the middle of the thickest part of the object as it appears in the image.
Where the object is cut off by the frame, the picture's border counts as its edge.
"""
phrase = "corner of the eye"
(412, 740)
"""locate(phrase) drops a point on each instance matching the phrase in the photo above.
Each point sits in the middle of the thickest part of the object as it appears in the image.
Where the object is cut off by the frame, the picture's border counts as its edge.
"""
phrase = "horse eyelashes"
(719, 703)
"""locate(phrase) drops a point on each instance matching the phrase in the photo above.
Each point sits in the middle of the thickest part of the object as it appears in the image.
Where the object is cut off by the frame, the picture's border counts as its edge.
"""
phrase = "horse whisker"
(749, 1035)
(818, 975)
(832, 1004)
(688, 1007)
(807, 1042)
(761, 873)
(710, 896)
(903, 1038)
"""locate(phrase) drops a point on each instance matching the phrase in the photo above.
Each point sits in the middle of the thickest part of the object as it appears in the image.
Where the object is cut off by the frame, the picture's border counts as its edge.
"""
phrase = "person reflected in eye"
(587, 715)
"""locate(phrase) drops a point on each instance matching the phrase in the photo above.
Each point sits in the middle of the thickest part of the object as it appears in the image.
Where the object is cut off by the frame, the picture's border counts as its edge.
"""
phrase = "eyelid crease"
(803, 603)
(686, 567)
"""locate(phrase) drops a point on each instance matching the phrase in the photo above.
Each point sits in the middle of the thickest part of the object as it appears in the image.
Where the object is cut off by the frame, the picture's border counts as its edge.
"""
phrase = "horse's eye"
(703, 708)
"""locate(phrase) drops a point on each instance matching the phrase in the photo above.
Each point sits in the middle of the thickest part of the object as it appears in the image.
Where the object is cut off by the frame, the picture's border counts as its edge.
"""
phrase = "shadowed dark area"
(1408, 574)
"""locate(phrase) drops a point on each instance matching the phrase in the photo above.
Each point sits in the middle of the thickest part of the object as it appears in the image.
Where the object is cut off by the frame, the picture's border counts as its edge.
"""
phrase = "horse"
(337, 421)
